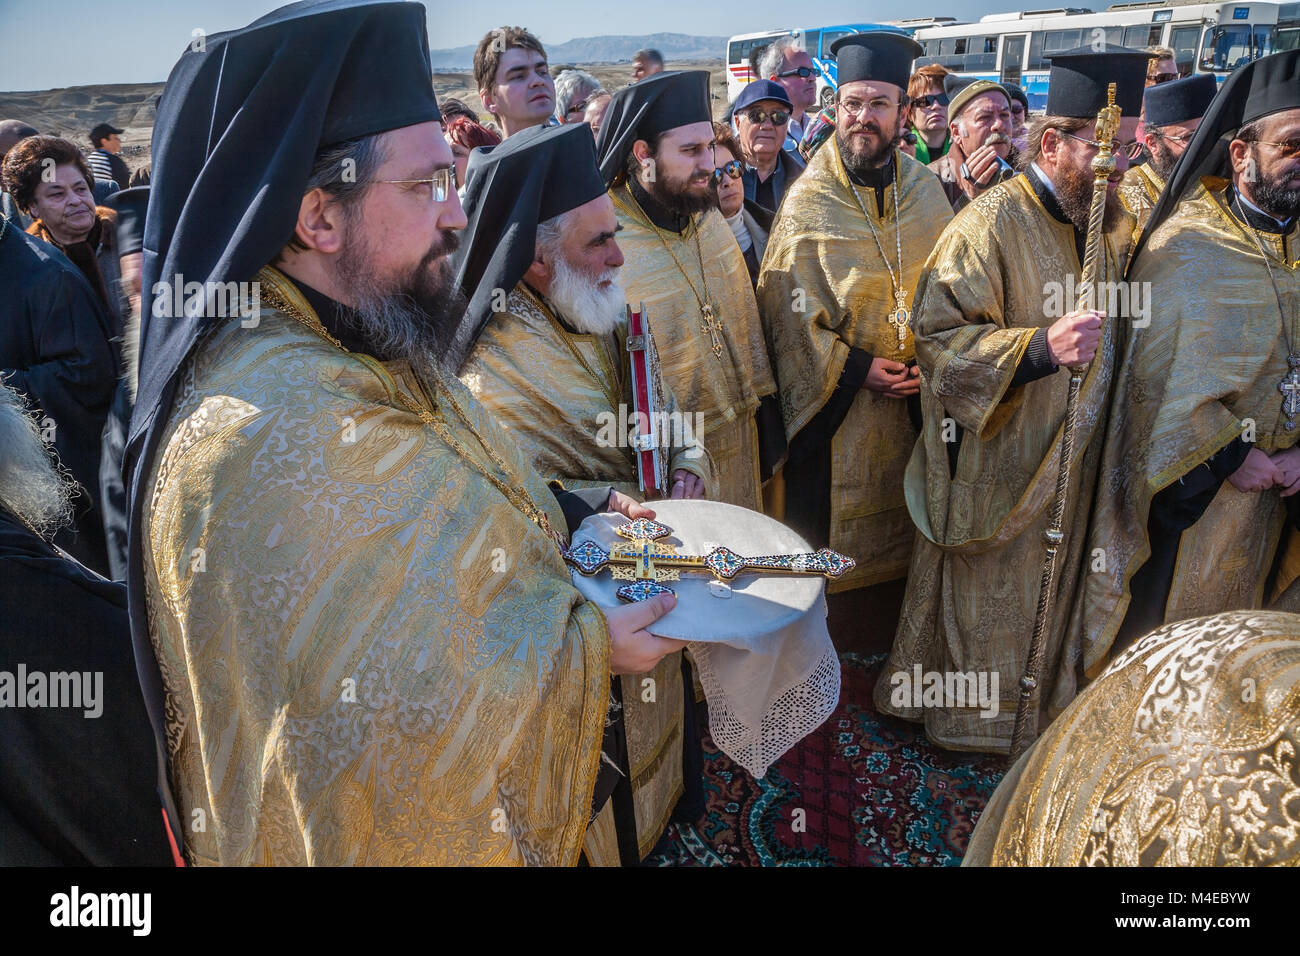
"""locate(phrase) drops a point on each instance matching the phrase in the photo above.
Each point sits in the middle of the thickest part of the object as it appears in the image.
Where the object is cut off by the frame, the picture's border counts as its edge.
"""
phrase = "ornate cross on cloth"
(646, 560)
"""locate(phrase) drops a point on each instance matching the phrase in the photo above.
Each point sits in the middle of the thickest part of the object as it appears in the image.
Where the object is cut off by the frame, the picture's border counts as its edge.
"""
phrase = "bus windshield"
(1232, 45)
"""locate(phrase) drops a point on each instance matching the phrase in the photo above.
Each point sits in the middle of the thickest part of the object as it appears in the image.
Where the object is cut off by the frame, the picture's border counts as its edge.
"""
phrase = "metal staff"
(1093, 261)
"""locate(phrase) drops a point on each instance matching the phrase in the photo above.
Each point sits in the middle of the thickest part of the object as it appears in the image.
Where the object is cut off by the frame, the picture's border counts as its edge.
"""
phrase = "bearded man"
(656, 154)
(1197, 513)
(549, 362)
(841, 266)
(1173, 112)
(990, 341)
(357, 635)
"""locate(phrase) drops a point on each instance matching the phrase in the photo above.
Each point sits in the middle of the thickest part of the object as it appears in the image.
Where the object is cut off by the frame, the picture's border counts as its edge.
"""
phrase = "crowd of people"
(299, 426)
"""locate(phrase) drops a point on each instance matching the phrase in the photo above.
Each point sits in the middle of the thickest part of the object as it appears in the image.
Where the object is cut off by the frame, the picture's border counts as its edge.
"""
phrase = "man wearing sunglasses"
(1201, 442)
(1173, 112)
(762, 116)
(792, 68)
(996, 321)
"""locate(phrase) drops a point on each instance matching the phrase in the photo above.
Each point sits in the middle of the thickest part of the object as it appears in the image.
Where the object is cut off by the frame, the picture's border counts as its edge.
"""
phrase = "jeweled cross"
(645, 561)
(1290, 389)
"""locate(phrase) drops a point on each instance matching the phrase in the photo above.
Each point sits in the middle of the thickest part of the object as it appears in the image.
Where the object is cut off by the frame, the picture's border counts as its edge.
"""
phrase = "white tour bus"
(1013, 47)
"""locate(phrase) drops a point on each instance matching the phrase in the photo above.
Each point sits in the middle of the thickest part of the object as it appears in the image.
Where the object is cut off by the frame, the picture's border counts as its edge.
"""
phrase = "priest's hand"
(1288, 463)
(1257, 473)
(628, 506)
(633, 649)
(1073, 339)
(892, 378)
(687, 485)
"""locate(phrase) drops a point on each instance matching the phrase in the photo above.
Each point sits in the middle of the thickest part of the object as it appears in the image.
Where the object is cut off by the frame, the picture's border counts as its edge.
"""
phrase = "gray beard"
(580, 301)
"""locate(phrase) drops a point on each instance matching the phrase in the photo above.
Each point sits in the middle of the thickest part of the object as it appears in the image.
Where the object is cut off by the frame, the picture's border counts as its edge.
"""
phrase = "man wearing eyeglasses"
(358, 639)
(784, 63)
(762, 116)
(1173, 112)
(996, 323)
(1201, 447)
(842, 260)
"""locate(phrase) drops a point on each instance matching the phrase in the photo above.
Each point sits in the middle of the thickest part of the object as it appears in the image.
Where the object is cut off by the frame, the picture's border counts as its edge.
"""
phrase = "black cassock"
(75, 790)
(55, 348)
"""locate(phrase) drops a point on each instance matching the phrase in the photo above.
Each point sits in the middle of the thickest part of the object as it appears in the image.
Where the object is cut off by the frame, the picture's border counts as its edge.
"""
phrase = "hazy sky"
(53, 43)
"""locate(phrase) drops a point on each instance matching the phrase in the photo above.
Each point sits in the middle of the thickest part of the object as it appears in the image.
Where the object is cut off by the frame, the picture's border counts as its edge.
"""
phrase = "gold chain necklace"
(517, 496)
(901, 317)
(708, 316)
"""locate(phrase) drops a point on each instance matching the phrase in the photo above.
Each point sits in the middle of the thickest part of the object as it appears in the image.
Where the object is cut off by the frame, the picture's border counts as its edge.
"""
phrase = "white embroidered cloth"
(769, 670)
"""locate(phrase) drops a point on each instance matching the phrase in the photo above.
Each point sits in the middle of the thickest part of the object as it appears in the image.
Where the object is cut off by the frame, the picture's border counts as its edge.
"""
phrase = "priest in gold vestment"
(1201, 462)
(683, 264)
(357, 638)
(995, 322)
(549, 364)
(833, 293)
(1173, 111)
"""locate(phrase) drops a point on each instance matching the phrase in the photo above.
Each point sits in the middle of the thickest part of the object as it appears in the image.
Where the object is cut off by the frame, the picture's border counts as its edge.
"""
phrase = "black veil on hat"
(644, 110)
(1261, 88)
(239, 124)
(533, 176)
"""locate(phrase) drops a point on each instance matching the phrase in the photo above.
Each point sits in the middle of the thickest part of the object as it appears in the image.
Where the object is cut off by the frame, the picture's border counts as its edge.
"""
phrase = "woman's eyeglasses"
(735, 169)
(757, 117)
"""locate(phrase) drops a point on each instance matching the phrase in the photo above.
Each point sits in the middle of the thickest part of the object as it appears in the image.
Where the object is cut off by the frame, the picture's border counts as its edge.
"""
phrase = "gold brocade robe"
(370, 655)
(1163, 761)
(972, 590)
(724, 388)
(1139, 190)
(1208, 366)
(821, 254)
(554, 391)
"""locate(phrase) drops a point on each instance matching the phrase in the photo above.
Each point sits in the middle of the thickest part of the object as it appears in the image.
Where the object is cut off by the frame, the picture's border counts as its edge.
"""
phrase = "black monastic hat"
(1078, 80)
(879, 55)
(1179, 100)
(533, 176)
(647, 108)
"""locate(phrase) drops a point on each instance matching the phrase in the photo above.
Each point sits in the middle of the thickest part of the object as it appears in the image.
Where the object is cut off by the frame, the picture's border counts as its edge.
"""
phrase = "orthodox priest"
(1173, 111)
(358, 640)
(550, 364)
(1201, 464)
(995, 323)
(835, 293)
(656, 154)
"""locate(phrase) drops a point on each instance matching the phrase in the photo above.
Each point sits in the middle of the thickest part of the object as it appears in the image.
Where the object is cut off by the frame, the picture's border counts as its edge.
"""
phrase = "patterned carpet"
(872, 790)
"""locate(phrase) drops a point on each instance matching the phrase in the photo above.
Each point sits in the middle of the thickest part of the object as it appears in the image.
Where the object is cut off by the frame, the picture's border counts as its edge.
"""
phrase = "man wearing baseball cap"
(762, 117)
(105, 162)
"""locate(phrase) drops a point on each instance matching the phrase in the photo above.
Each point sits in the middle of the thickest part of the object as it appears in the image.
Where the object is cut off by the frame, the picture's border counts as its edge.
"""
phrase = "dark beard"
(672, 194)
(863, 161)
(1074, 193)
(1276, 200)
(414, 319)
(1162, 158)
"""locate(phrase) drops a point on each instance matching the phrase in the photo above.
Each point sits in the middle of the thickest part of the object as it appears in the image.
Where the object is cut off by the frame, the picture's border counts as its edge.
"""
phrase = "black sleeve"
(823, 426)
(581, 503)
(1037, 361)
(1179, 506)
(771, 435)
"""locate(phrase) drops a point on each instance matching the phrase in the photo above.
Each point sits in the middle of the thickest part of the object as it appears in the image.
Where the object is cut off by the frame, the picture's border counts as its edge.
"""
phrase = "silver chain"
(898, 234)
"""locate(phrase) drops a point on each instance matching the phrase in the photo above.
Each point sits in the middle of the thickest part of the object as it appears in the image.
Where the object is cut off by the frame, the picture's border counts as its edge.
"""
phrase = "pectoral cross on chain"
(1290, 389)
(646, 560)
(709, 322)
(901, 317)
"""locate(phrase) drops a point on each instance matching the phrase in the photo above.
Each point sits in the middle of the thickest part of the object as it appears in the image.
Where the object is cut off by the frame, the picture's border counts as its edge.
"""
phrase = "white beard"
(582, 303)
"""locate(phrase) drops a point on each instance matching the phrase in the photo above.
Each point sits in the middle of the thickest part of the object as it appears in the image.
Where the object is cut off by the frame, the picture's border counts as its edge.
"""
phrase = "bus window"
(1183, 41)
(1036, 61)
(810, 40)
(1232, 45)
(960, 49)
(829, 37)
